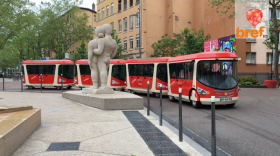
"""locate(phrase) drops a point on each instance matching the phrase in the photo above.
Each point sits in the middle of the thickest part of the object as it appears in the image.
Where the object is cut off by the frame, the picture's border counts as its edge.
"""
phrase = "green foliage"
(119, 54)
(243, 80)
(60, 53)
(82, 52)
(224, 6)
(188, 42)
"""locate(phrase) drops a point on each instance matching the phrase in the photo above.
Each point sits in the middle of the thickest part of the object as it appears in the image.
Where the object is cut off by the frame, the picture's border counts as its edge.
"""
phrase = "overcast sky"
(86, 3)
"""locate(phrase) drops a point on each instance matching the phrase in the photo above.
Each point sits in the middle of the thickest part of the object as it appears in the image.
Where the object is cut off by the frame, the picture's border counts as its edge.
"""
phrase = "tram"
(116, 74)
(140, 72)
(50, 70)
(203, 75)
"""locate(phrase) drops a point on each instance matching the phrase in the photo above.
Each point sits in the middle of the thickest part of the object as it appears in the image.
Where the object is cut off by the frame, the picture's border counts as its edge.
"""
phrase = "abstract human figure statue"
(106, 49)
(93, 58)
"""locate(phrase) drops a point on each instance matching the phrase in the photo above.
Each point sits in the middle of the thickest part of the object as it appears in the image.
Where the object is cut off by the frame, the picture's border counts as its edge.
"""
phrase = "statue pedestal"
(117, 101)
(98, 91)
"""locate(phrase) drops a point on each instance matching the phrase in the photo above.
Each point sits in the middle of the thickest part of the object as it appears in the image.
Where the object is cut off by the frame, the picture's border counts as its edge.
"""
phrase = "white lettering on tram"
(33, 77)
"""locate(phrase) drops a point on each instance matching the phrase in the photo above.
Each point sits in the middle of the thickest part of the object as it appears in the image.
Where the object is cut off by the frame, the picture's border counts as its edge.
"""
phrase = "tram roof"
(204, 55)
(148, 60)
(115, 61)
(48, 62)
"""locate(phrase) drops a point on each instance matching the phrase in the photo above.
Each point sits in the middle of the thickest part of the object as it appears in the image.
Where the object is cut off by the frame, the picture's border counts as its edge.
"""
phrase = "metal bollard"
(21, 84)
(148, 99)
(3, 81)
(61, 83)
(160, 94)
(41, 82)
(213, 127)
(180, 116)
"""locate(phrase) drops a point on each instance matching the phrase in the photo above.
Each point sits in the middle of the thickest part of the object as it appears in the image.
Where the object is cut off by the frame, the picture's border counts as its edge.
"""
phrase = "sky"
(86, 3)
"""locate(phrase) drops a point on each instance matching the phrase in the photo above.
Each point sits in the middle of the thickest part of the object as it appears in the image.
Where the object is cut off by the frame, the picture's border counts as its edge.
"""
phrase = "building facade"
(219, 30)
(157, 18)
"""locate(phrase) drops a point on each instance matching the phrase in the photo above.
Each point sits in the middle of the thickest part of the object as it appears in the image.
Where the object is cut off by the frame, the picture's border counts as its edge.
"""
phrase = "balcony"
(251, 40)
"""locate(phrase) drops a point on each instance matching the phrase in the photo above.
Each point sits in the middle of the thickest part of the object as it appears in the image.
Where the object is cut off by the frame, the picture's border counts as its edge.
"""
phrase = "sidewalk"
(99, 132)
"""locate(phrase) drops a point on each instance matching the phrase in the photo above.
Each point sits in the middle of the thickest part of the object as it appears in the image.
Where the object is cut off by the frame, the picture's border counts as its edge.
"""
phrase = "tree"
(119, 54)
(188, 42)
(14, 16)
(227, 5)
(64, 24)
(82, 52)
(60, 53)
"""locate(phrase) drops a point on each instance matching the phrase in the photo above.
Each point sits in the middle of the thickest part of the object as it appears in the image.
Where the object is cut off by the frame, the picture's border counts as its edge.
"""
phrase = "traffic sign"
(44, 58)
(20, 63)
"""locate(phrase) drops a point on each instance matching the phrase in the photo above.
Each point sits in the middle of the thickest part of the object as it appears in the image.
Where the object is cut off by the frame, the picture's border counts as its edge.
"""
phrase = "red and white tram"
(203, 75)
(51, 71)
(140, 71)
(116, 74)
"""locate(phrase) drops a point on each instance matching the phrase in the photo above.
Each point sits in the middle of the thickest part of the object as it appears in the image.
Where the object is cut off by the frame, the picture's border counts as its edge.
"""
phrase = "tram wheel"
(30, 87)
(132, 92)
(58, 88)
(196, 104)
(157, 95)
(171, 98)
(69, 87)
(123, 90)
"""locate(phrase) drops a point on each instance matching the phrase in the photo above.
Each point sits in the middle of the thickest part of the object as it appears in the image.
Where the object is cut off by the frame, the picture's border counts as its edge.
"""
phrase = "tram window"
(148, 70)
(68, 71)
(140, 71)
(119, 72)
(22, 69)
(49, 69)
(180, 71)
(132, 68)
(172, 71)
(187, 76)
(32, 69)
(76, 72)
(162, 72)
(191, 65)
(85, 70)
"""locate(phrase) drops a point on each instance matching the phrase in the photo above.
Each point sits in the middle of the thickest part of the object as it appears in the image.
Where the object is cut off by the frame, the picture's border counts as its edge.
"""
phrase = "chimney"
(93, 6)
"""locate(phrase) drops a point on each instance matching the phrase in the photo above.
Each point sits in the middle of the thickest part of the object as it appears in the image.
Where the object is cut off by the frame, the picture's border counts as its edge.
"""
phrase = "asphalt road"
(252, 127)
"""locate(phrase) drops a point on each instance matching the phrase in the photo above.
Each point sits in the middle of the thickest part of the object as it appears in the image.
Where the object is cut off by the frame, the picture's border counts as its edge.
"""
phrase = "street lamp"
(138, 16)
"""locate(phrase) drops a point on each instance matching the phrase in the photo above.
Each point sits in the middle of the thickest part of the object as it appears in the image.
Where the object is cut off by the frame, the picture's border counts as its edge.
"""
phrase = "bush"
(247, 79)
(247, 83)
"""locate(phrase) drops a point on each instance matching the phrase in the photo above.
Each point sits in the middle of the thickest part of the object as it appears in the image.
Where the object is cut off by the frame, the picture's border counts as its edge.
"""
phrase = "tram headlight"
(238, 90)
(201, 91)
(75, 80)
(124, 82)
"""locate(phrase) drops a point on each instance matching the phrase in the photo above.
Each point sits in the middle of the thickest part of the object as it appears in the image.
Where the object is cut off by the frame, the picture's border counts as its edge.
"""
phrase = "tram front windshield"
(217, 74)
(68, 71)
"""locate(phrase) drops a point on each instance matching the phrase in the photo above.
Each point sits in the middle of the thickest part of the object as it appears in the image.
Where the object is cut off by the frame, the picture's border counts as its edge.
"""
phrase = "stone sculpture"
(100, 52)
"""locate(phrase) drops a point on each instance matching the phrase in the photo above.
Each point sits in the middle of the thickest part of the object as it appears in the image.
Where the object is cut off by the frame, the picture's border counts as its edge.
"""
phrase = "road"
(252, 127)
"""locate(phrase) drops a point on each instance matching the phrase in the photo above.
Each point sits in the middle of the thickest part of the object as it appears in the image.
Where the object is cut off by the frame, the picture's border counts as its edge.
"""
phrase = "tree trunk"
(276, 32)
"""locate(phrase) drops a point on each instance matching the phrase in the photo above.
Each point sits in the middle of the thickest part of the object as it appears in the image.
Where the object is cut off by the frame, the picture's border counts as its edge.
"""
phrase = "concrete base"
(15, 127)
(98, 91)
(117, 101)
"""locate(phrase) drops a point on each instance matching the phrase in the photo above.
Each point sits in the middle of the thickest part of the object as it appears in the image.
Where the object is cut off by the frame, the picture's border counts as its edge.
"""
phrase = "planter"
(271, 83)
(252, 86)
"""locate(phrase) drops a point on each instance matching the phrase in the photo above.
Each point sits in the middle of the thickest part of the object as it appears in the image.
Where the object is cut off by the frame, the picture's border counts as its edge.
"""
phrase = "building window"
(98, 1)
(125, 24)
(120, 25)
(271, 14)
(120, 6)
(125, 44)
(137, 41)
(137, 20)
(125, 5)
(269, 58)
(137, 2)
(112, 8)
(120, 43)
(107, 11)
(98, 14)
(131, 3)
(251, 58)
(103, 13)
(131, 22)
(112, 25)
(131, 43)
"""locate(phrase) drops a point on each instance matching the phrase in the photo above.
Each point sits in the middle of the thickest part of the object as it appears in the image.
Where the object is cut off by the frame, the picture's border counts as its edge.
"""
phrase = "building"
(91, 22)
(157, 17)
(255, 57)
